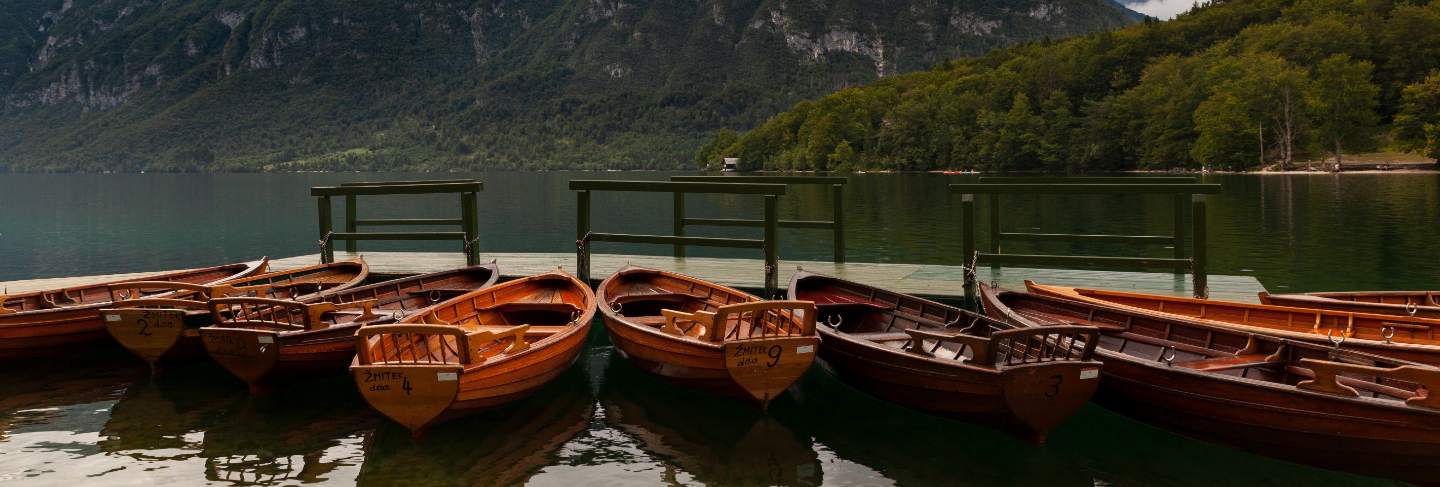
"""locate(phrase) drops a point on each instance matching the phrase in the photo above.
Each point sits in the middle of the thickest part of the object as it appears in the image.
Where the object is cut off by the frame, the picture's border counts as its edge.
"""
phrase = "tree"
(1417, 126)
(1343, 101)
(1251, 94)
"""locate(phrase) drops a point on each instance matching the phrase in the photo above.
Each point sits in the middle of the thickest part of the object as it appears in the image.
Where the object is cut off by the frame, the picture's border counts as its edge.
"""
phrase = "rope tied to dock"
(470, 244)
(325, 241)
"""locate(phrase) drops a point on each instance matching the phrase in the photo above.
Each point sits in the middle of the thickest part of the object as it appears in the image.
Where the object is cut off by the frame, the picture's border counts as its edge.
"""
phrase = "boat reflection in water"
(288, 438)
(503, 446)
(166, 420)
(714, 439)
(37, 396)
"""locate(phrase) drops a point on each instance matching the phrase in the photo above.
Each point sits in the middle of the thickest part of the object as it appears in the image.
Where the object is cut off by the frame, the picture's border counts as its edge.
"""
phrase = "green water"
(604, 422)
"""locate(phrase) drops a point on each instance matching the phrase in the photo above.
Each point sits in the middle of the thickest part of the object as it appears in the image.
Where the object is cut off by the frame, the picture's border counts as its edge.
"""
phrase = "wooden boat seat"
(1405, 326)
(676, 298)
(655, 321)
(1360, 385)
(530, 306)
(533, 331)
(1217, 364)
(856, 306)
(441, 291)
(882, 336)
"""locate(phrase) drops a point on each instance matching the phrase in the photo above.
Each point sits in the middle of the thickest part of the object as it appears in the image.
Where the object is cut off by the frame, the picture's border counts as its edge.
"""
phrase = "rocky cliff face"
(245, 84)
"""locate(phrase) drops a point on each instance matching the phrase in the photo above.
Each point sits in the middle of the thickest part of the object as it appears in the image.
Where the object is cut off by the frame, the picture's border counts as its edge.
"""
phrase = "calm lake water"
(604, 422)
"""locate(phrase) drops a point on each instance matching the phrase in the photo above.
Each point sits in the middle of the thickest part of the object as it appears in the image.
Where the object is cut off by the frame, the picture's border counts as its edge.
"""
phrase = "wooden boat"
(167, 327)
(476, 351)
(952, 362)
(1299, 401)
(1423, 304)
(1401, 337)
(704, 335)
(66, 322)
(260, 338)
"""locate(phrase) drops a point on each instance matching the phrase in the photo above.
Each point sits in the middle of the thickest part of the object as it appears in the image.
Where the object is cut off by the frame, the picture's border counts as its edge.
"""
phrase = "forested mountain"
(1231, 85)
(325, 84)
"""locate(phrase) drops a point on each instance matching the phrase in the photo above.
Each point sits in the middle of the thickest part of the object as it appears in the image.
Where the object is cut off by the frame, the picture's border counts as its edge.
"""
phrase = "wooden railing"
(836, 224)
(468, 221)
(1181, 189)
(584, 236)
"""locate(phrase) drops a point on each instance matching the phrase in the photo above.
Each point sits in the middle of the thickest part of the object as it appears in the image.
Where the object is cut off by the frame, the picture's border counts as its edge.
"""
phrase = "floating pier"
(944, 282)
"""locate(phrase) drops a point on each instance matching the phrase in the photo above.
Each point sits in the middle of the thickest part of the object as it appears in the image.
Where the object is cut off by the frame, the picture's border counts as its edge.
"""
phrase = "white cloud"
(1160, 9)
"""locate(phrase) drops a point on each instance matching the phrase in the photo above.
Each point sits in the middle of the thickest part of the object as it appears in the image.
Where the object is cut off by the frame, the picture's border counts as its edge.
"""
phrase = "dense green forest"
(172, 85)
(1230, 85)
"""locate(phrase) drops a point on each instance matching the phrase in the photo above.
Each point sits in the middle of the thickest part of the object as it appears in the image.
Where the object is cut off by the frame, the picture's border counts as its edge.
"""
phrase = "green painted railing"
(584, 234)
(468, 221)
(836, 224)
(1182, 190)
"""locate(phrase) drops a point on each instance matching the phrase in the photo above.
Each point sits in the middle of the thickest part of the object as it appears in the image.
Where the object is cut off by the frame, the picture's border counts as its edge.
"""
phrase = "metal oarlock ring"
(1411, 308)
(1170, 358)
(434, 296)
(616, 307)
(1387, 333)
(835, 322)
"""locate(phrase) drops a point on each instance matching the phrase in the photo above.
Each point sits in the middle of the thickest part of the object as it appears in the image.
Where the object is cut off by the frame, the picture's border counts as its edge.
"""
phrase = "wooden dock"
(936, 281)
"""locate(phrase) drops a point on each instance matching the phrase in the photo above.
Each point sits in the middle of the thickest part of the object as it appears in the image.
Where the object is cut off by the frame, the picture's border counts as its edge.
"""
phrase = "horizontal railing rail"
(584, 234)
(1182, 190)
(468, 221)
(835, 224)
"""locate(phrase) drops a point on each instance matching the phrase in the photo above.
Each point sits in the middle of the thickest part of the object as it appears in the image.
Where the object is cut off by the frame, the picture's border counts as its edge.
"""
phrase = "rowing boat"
(947, 361)
(473, 352)
(261, 338)
(699, 334)
(1299, 401)
(1401, 337)
(1400, 303)
(66, 322)
(157, 328)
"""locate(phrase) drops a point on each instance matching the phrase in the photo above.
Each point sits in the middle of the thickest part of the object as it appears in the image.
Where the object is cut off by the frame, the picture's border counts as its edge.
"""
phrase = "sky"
(1161, 9)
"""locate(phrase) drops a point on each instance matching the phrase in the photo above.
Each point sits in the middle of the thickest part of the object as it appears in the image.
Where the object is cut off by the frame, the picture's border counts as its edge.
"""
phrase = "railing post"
(470, 223)
(1197, 261)
(837, 196)
(967, 226)
(350, 245)
(1179, 227)
(994, 227)
(679, 222)
(327, 247)
(582, 229)
(772, 253)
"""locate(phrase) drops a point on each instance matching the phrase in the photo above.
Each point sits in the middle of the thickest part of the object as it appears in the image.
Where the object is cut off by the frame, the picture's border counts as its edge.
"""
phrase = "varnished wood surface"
(866, 344)
(1252, 391)
(1410, 338)
(327, 346)
(1400, 303)
(302, 284)
(635, 302)
(39, 325)
(473, 352)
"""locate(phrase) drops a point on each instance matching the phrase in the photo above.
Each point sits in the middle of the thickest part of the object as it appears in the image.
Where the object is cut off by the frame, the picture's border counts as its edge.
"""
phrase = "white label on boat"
(1089, 373)
(446, 376)
(805, 349)
(265, 339)
(112, 317)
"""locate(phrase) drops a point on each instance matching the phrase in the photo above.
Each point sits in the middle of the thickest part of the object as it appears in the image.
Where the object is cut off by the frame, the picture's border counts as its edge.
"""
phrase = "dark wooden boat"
(473, 352)
(948, 361)
(168, 327)
(260, 338)
(700, 334)
(67, 322)
(1298, 401)
(1421, 304)
(1401, 337)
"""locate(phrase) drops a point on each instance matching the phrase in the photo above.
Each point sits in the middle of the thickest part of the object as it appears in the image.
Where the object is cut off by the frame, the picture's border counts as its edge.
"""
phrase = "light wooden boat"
(262, 338)
(67, 322)
(1401, 337)
(1423, 304)
(473, 352)
(157, 328)
(944, 360)
(1298, 401)
(704, 335)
